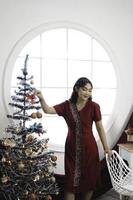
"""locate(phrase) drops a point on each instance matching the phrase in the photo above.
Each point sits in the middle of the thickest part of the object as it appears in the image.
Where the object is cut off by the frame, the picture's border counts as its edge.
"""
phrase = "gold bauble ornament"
(4, 179)
(53, 158)
(33, 115)
(21, 165)
(28, 152)
(6, 142)
(39, 115)
(9, 142)
(50, 169)
(18, 130)
(8, 162)
(30, 138)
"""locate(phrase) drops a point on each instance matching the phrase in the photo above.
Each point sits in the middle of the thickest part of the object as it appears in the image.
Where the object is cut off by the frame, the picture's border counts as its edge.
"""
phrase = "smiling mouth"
(86, 96)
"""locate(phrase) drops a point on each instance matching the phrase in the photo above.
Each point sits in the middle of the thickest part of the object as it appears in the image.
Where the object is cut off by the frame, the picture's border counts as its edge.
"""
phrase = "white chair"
(121, 175)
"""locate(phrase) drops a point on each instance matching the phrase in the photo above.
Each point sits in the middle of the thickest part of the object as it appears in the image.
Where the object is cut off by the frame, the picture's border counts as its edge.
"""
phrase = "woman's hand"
(109, 152)
(46, 108)
(38, 93)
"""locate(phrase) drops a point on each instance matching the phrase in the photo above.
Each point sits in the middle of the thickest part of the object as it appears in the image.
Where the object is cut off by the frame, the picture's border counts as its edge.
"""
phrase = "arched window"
(57, 58)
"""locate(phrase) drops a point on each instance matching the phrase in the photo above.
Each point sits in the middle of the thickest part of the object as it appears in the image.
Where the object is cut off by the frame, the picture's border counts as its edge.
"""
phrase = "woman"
(82, 165)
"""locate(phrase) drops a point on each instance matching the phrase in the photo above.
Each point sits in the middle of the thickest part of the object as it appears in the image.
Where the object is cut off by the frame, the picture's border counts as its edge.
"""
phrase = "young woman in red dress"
(82, 164)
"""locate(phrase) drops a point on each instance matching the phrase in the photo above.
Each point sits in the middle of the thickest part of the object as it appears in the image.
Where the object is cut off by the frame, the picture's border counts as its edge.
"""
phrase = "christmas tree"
(26, 164)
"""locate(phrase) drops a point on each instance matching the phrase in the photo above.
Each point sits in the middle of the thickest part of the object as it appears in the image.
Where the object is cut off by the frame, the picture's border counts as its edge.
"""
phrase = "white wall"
(111, 20)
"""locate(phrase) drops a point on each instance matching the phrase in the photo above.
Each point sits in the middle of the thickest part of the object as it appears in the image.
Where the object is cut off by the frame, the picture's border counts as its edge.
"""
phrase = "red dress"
(89, 169)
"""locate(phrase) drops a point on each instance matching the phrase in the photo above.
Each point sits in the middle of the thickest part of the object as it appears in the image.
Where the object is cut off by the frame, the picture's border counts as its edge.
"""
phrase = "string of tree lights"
(26, 163)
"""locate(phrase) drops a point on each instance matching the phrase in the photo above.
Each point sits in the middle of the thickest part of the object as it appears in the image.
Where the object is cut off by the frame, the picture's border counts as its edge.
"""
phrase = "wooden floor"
(110, 195)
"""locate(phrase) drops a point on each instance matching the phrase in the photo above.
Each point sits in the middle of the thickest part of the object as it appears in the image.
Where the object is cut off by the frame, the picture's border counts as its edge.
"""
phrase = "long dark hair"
(81, 82)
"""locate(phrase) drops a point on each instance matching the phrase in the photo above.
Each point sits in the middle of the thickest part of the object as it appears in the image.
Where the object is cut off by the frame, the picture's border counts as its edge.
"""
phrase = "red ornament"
(30, 98)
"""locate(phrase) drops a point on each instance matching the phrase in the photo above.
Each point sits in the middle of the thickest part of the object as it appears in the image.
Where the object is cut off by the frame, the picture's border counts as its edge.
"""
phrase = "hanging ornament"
(53, 179)
(30, 97)
(30, 138)
(21, 166)
(26, 192)
(30, 162)
(8, 162)
(53, 158)
(18, 130)
(33, 154)
(5, 179)
(39, 115)
(37, 178)
(9, 142)
(3, 159)
(33, 115)
(50, 169)
(28, 152)
(57, 193)
(32, 82)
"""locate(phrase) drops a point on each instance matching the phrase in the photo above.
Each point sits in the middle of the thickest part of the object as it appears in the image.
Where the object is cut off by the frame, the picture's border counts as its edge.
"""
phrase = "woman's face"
(85, 92)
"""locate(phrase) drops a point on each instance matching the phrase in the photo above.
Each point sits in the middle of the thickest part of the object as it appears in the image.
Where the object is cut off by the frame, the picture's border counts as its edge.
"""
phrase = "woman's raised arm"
(47, 109)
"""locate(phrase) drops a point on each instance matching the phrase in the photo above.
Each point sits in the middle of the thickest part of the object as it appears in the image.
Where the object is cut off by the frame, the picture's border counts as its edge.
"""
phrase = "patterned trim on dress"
(78, 149)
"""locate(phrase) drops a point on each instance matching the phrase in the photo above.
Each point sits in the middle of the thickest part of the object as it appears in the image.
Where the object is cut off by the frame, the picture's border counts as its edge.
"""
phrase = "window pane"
(33, 68)
(105, 98)
(54, 73)
(69, 92)
(77, 69)
(56, 129)
(54, 95)
(57, 58)
(99, 52)
(32, 48)
(104, 75)
(105, 119)
(79, 45)
(19, 64)
(54, 44)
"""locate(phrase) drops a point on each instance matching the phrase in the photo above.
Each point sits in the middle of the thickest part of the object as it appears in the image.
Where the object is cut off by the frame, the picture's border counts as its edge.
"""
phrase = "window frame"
(30, 35)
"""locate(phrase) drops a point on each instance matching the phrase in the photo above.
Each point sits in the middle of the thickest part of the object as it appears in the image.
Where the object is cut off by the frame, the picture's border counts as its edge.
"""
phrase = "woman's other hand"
(108, 152)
